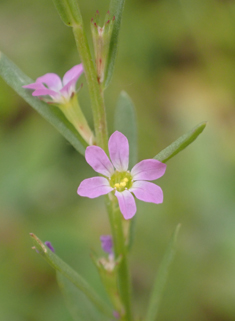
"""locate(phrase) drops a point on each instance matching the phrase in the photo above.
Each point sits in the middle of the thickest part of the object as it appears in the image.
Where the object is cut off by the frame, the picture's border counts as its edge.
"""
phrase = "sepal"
(72, 111)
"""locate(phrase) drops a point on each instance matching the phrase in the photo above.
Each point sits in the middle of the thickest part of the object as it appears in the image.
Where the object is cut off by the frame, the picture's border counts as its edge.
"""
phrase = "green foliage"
(180, 144)
(15, 78)
(72, 276)
(161, 278)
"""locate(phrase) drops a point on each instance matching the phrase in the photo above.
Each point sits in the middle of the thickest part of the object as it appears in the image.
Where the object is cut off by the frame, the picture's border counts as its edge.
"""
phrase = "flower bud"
(101, 40)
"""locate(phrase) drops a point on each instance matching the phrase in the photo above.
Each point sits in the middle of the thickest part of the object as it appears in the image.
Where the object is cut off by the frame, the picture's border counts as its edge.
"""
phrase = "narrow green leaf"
(161, 279)
(116, 9)
(15, 78)
(180, 144)
(69, 11)
(73, 276)
(125, 122)
(78, 305)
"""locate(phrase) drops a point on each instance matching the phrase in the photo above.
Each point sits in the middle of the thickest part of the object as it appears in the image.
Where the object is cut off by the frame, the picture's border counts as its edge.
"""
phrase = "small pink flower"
(117, 178)
(59, 90)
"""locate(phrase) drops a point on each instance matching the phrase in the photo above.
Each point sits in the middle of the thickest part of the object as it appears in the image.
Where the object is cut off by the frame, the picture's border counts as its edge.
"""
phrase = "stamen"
(126, 179)
(117, 185)
(122, 184)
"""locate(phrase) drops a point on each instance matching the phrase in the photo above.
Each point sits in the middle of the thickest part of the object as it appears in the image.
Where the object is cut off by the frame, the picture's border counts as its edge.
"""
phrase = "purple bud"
(48, 244)
(116, 315)
(107, 243)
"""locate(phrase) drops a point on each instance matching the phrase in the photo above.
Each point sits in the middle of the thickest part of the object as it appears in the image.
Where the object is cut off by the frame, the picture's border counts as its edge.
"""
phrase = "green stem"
(120, 250)
(96, 92)
(98, 108)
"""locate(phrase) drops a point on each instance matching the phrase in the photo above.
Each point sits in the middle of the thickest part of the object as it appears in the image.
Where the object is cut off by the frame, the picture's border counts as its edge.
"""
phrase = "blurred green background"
(176, 60)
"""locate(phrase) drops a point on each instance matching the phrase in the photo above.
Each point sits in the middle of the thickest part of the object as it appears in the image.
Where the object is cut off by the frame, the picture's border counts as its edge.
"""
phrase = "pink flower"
(51, 85)
(117, 178)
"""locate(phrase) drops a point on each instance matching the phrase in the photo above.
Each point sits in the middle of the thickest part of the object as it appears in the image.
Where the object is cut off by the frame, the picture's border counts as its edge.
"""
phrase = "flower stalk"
(120, 250)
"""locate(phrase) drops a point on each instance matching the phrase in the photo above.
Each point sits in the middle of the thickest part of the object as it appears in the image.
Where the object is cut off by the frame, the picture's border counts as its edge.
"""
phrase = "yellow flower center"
(121, 181)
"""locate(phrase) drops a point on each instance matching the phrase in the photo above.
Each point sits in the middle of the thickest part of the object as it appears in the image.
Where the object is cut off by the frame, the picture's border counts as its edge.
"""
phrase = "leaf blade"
(116, 9)
(180, 144)
(161, 278)
(15, 78)
(74, 277)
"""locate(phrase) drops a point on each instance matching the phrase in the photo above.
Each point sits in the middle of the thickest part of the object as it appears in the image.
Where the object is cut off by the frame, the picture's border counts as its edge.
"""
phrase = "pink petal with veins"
(98, 160)
(46, 92)
(52, 81)
(148, 169)
(94, 187)
(126, 203)
(70, 79)
(119, 151)
(147, 192)
(35, 86)
(73, 74)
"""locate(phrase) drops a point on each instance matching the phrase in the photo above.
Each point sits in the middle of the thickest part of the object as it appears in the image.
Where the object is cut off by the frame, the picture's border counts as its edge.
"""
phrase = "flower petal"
(148, 169)
(147, 192)
(94, 187)
(126, 203)
(72, 74)
(119, 151)
(70, 79)
(52, 81)
(35, 86)
(46, 92)
(98, 160)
